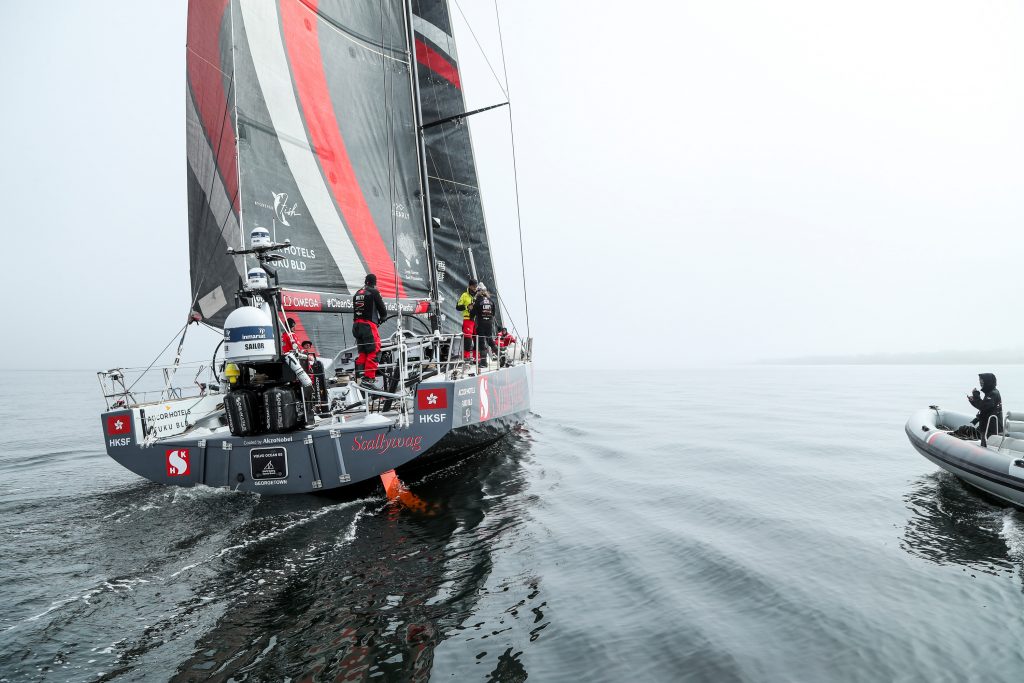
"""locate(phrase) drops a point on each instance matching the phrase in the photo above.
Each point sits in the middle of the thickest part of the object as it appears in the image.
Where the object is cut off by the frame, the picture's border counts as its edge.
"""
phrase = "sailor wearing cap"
(468, 326)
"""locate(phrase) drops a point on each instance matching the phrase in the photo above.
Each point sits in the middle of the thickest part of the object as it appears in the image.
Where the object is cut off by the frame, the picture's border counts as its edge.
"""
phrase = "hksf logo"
(432, 399)
(119, 424)
(178, 462)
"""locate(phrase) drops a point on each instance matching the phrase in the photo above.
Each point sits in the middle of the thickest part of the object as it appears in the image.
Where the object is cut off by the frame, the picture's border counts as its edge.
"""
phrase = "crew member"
(482, 315)
(504, 341)
(504, 338)
(468, 327)
(369, 310)
(990, 407)
(307, 347)
(314, 367)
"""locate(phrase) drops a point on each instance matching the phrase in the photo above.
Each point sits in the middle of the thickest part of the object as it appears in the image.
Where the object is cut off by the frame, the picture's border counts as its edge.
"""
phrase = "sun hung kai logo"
(282, 211)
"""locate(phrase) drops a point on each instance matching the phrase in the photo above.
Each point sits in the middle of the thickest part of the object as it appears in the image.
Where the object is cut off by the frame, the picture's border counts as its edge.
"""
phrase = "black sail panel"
(455, 203)
(212, 170)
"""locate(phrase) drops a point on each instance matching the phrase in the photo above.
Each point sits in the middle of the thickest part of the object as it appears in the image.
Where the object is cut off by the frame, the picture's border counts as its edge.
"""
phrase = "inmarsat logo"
(177, 462)
(282, 212)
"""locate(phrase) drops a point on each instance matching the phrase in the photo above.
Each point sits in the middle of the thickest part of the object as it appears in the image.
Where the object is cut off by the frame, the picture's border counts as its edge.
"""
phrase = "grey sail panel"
(455, 202)
(212, 169)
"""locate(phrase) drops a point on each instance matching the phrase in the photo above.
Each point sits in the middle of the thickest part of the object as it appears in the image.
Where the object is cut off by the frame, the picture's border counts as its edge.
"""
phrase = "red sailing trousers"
(368, 340)
(468, 334)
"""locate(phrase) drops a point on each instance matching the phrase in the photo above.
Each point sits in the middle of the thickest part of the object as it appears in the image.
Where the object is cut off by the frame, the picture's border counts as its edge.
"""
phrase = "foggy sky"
(701, 182)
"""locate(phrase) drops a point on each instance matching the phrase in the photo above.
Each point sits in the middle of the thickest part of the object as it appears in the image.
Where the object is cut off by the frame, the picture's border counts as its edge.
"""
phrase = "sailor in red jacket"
(504, 338)
(369, 310)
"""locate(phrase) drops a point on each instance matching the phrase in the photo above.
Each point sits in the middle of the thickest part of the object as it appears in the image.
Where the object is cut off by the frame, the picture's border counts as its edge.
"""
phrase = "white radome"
(256, 279)
(249, 336)
(259, 237)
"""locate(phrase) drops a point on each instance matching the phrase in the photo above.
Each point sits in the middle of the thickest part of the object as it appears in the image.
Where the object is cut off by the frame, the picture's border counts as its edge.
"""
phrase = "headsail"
(459, 226)
(213, 200)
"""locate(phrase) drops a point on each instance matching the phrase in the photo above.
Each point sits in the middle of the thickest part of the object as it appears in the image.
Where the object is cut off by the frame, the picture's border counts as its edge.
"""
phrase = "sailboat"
(326, 141)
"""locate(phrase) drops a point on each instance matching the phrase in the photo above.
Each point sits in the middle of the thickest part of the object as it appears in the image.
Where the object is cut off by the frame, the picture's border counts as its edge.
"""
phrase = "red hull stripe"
(203, 64)
(431, 59)
(300, 27)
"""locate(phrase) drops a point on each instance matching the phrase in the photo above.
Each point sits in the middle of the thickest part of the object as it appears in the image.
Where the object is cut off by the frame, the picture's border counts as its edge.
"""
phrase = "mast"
(421, 152)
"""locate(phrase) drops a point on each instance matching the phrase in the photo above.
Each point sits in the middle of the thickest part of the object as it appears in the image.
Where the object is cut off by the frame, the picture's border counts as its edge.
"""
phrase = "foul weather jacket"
(990, 405)
(368, 305)
(465, 303)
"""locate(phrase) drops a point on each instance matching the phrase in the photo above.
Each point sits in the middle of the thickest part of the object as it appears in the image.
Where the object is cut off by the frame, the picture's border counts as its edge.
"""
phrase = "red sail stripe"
(300, 26)
(431, 59)
(202, 61)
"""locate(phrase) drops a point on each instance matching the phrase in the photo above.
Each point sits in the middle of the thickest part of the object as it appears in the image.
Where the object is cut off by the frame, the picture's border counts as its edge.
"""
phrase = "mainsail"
(459, 227)
(301, 120)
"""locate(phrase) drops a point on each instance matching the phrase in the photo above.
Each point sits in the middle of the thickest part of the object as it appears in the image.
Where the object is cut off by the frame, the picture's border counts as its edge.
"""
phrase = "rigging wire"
(448, 156)
(389, 123)
(515, 170)
(150, 366)
(455, 223)
(504, 89)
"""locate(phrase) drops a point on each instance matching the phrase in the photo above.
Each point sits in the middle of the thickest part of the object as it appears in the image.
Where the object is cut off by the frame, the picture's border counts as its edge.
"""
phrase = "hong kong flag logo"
(432, 399)
(177, 462)
(119, 424)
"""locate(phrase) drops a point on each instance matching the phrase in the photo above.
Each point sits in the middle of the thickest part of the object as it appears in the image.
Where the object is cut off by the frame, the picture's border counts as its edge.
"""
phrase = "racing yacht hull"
(446, 419)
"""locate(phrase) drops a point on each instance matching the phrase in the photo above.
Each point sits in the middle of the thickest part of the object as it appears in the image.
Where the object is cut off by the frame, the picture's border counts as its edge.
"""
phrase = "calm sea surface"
(736, 524)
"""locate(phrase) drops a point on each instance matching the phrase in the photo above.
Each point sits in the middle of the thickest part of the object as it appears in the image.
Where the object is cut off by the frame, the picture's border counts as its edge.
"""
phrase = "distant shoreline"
(1003, 357)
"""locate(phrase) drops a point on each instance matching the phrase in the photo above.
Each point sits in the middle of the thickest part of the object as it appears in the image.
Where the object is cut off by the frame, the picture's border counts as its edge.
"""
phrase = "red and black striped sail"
(320, 149)
(454, 188)
(213, 198)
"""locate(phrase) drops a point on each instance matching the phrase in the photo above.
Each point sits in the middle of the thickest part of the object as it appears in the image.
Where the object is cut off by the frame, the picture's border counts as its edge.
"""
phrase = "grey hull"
(997, 469)
(448, 418)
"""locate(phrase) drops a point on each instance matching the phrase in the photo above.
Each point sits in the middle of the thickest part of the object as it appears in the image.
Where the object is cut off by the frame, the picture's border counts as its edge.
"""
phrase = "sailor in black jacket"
(990, 406)
(369, 311)
(482, 314)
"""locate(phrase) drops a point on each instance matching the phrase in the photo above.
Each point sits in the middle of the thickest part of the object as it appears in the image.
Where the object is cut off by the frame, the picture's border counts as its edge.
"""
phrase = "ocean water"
(730, 524)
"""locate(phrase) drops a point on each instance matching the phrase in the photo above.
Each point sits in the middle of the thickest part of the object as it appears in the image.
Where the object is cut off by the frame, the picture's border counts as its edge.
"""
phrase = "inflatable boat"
(997, 468)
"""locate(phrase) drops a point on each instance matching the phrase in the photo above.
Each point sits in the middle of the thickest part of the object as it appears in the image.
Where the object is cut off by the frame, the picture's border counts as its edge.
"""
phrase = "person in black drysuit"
(482, 314)
(990, 407)
(315, 369)
(369, 311)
